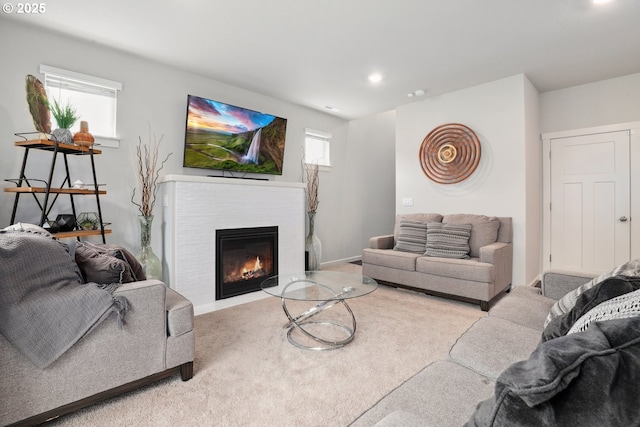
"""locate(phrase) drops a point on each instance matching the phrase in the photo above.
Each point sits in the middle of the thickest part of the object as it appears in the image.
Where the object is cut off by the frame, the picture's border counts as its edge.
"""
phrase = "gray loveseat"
(499, 372)
(479, 278)
(155, 341)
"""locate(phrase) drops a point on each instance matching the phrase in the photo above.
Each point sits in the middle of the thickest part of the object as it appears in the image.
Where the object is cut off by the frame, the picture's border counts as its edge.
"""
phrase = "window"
(93, 98)
(317, 147)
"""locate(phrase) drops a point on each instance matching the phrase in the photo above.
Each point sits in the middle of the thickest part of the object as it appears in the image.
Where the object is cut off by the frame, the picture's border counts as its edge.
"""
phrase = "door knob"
(623, 219)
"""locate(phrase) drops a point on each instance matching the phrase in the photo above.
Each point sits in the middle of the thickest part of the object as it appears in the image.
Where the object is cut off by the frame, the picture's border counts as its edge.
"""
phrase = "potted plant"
(65, 117)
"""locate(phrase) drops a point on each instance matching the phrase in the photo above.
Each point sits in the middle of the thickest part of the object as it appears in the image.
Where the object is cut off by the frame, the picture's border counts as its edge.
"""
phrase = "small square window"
(317, 148)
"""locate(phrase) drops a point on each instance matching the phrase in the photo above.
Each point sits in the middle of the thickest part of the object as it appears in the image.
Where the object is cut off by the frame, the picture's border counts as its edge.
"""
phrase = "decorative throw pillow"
(107, 264)
(21, 226)
(484, 231)
(416, 217)
(622, 307)
(604, 291)
(566, 303)
(448, 240)
(412, 237)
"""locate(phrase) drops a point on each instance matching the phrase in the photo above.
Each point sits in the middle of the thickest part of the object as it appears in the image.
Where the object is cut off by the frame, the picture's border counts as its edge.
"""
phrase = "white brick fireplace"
(195, 207)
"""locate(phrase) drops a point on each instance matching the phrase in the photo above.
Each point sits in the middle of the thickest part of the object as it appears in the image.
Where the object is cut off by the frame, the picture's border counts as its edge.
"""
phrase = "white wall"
(360, 186)
(601, 103)
(534, 190)
(504, 116)
(155, 95)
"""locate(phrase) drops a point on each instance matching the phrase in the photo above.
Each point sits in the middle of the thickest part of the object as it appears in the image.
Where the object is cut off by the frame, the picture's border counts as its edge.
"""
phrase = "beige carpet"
(247, 374)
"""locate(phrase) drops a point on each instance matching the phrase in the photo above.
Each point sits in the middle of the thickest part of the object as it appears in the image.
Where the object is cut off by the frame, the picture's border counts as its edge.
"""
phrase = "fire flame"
(249, 271)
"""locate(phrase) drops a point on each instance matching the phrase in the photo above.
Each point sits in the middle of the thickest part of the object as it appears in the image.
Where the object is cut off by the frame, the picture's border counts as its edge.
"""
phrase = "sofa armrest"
(495, 252)
(179, 314)
(381, 242)
(499, 254)
(558, 283)
(152, 292)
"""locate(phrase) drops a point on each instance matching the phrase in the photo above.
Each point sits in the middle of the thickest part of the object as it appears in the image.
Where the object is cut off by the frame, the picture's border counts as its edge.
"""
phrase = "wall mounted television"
(224, 137)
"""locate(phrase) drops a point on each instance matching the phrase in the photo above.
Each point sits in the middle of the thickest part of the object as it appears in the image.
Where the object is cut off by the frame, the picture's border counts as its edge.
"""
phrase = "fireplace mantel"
(196, 206)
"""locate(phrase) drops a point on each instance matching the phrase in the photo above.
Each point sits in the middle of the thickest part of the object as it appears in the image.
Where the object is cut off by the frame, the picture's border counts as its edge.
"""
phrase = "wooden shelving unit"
(49, 193)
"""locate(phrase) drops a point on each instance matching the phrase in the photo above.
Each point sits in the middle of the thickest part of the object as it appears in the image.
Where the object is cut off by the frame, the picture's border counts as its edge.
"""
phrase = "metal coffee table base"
(306, 318)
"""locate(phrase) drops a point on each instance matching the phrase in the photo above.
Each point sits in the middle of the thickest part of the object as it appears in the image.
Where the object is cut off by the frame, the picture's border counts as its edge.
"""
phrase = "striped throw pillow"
(448, 240)
(412, 237)
(567, 302)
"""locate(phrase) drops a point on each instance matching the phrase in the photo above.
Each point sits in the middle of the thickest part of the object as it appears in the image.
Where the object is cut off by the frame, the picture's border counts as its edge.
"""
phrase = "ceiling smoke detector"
(417, 92)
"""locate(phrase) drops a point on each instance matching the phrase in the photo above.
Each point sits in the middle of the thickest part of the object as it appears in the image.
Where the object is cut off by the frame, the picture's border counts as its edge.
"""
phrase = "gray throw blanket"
(45, 307)
(588, 378)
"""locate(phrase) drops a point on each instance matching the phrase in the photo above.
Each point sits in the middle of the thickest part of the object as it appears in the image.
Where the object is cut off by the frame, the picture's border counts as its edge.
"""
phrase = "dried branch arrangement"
(148, 174)
(313, 181)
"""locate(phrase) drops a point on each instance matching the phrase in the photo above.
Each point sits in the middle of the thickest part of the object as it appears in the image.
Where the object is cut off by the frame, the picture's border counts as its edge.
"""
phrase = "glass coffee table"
(326, 289)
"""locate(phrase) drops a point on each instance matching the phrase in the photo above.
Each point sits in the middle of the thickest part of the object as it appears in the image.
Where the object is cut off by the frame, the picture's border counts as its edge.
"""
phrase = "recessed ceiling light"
(332, 108)
(375, 78)
(600, 1)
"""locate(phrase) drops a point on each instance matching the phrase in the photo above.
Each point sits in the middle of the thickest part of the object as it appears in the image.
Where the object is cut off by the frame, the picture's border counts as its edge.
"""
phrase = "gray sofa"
(479, 278)
(499, 373)
(156, 340)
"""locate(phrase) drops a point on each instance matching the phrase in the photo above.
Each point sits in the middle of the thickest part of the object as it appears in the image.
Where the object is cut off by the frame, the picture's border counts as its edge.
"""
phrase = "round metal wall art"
(450, 153)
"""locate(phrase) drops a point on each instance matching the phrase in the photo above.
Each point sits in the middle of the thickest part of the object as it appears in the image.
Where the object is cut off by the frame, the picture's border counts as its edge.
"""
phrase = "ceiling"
(318, 53)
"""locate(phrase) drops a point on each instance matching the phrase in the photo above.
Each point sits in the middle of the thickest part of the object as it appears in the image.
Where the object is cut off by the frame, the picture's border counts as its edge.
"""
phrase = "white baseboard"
(340, 261)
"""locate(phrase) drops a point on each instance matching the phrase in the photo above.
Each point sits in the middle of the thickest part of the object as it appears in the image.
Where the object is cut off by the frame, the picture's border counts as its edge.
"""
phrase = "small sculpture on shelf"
(66, 222)
(38, 104)
(88, 221)
(83, 137)
(65, 117)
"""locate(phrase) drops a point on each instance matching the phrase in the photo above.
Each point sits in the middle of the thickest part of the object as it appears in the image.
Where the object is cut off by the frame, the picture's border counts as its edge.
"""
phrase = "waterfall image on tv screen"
(225, 137)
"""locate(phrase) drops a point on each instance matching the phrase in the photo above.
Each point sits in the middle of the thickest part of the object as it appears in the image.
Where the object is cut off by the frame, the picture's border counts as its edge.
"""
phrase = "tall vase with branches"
(313, 245)
(148, 168)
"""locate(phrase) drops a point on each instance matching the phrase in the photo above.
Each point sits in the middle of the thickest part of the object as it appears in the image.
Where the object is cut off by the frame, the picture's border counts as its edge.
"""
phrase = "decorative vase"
(150, 262)
(313, 246)
(62, 135)
(83, 137)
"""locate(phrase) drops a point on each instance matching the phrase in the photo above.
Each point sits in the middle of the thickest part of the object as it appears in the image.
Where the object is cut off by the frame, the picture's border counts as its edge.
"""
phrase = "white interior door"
(590, 202)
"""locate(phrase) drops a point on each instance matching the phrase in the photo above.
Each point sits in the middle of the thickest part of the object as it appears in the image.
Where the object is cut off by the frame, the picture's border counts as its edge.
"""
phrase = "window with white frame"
(93, 98)
(317, 148)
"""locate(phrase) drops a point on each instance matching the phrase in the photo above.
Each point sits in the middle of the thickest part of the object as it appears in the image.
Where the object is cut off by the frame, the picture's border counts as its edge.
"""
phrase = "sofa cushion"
(401, 419)
(390, 258)
(448, 240)
(412, 237)
(609, 288)
(465, 269)
(492, 344)
(442, 394)
(588, 378)
(566, 303)
(524, 306)
(106, 264)
(419, 217)
(484, 230)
